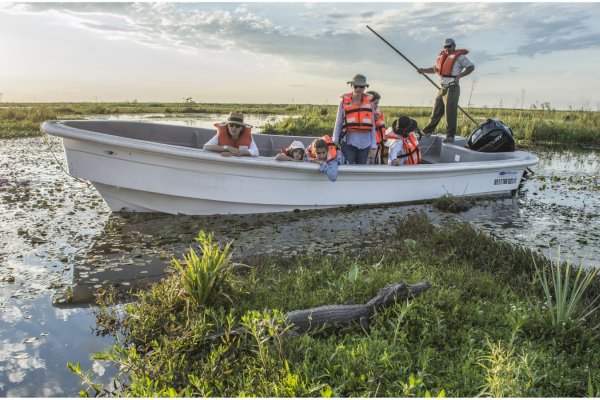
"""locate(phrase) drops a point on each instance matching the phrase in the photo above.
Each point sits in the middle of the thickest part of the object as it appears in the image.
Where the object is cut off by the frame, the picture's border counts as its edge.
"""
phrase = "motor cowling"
(492, 136)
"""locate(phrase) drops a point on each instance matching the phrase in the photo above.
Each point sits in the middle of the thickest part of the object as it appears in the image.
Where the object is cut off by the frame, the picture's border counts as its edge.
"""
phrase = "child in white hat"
(294, 152)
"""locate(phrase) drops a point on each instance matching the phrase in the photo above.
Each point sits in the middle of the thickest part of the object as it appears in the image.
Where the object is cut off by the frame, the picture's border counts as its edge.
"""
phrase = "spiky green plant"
(564, 287)
(202, 276)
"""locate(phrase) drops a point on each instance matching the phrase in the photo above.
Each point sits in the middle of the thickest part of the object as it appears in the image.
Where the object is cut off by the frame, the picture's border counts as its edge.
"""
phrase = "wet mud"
(59, 244)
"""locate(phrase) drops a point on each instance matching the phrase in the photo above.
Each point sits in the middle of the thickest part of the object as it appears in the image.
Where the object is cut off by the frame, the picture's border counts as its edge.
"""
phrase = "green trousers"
(451, 93)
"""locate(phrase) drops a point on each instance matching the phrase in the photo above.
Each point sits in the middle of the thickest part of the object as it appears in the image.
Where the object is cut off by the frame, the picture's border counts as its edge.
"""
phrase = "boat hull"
(145, 176)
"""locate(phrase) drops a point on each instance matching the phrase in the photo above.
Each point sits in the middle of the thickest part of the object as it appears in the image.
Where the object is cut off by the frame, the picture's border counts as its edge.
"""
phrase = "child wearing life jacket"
(405, 148)
(323, 152)
(294, 152)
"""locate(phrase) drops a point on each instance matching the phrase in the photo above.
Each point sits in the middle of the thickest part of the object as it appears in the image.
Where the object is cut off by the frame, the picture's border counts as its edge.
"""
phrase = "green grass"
(533, 126)
(545, 126)
(481, 329)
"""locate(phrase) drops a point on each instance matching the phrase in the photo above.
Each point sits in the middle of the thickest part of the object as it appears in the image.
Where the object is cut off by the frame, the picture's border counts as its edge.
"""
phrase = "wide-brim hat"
(296, 144)
(404, 125)
(236, 118)
(358, 80)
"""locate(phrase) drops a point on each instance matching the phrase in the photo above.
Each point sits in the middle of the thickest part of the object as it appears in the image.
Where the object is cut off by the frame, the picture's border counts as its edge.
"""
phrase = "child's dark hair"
(319, 143)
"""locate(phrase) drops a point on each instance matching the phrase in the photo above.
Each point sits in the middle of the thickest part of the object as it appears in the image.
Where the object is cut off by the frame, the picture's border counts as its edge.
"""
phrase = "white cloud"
(329, 41)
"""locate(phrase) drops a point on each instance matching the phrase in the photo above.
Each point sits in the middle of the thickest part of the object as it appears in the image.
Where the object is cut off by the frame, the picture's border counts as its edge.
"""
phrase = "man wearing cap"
(452, 65)
(355, 123)
(233, 138)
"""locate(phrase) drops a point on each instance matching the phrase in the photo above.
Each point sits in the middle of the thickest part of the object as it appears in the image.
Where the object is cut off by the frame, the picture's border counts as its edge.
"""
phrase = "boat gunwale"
(58, 128)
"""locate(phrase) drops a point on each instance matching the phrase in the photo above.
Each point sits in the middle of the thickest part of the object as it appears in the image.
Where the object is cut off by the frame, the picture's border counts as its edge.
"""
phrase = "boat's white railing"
(518, 159)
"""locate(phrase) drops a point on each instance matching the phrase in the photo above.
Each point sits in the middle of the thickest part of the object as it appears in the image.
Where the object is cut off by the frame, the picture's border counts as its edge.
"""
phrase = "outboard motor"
(491, 137)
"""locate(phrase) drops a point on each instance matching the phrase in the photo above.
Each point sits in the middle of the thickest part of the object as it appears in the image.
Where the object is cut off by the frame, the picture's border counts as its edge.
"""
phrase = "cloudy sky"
(265, 52)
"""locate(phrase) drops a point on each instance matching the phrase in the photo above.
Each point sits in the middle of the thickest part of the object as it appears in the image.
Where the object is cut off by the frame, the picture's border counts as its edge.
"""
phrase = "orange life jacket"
(379, 126)
(245, 138)
(412, 153)
(358, 117)
(331, 149)
(445, 62)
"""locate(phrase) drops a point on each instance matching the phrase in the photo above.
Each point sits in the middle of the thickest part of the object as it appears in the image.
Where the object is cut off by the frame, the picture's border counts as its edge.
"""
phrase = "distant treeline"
(535, 126)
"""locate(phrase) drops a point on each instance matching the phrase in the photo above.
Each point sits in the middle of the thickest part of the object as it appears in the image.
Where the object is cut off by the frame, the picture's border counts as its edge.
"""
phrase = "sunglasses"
(235, 125)
(359, 87)
(447, 47)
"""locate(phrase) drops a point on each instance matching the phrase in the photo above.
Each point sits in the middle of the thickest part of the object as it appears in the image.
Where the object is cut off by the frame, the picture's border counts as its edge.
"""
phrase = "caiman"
(302, 321)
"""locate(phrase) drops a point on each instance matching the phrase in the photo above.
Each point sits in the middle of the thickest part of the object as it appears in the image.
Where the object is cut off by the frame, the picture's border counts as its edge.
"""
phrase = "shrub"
(203, 276)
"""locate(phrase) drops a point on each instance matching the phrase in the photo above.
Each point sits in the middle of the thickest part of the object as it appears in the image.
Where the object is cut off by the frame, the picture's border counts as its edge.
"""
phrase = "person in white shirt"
(233, 138)
(354, 128)
(404, 147)
(451, 65)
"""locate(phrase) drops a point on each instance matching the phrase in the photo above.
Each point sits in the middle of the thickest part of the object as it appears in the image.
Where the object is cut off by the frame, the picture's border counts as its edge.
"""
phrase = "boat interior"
(433, 149)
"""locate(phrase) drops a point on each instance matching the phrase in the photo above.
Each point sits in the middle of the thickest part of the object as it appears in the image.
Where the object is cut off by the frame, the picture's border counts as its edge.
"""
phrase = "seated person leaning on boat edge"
(233, 138)
(294, 152)
(403, 142)
(324, 152)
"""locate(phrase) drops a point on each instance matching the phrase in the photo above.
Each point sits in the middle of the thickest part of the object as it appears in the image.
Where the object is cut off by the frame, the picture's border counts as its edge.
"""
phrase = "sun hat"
(449, 42)
(358, 80)
(404, 125)
(296, 144)
(235, 118)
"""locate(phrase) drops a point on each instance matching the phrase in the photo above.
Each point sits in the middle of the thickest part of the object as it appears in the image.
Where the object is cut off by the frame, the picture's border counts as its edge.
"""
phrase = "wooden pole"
(415, 67)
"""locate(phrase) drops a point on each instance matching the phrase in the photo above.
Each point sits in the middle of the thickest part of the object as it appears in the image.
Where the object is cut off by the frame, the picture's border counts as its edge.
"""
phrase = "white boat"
(148, 167)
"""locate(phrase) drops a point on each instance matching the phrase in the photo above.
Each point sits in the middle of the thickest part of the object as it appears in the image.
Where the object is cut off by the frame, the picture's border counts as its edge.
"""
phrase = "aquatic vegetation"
(478, 331)
(453, 204)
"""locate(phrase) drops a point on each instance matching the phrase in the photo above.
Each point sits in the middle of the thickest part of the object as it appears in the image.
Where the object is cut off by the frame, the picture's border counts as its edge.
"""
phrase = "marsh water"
(58, 240)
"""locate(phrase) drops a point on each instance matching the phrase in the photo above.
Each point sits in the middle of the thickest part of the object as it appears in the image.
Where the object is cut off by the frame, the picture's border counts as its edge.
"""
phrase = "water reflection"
(561, 160)
(195, 120)
(36, 343)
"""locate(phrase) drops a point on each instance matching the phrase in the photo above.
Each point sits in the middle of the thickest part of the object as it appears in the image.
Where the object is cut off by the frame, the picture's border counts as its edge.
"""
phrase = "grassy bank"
(535, 126)
(529, 126)
(23, 119)
(484, 328)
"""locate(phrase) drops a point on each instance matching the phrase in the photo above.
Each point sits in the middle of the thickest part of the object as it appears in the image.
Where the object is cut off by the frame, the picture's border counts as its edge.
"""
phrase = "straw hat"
(359, 80)
(235, 118)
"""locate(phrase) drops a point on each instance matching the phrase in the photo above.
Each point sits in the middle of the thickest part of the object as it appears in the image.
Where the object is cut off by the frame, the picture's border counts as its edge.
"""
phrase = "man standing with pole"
(452, 65)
